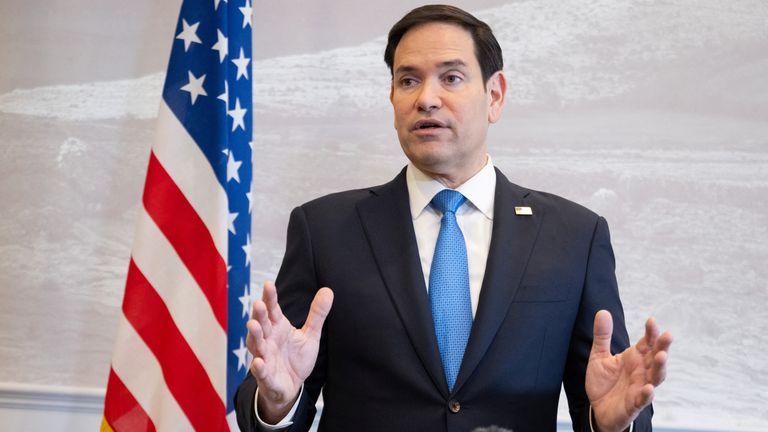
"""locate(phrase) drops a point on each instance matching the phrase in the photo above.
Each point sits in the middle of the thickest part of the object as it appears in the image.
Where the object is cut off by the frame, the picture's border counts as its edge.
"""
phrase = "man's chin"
(435, 166)
(429, 161)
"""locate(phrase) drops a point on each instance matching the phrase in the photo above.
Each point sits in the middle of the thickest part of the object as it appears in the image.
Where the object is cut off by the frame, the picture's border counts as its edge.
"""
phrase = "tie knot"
(448, 201)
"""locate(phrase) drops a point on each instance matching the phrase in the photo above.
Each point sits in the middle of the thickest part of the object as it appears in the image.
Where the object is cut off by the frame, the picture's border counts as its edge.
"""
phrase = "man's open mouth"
(428, 124)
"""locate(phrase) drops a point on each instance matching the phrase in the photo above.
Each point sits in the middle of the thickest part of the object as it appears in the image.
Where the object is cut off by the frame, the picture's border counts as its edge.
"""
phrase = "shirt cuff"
(592, 428)
(282, 424)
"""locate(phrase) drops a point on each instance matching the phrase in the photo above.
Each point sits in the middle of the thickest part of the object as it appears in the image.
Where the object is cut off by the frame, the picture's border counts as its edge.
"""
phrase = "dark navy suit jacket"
(379, 367)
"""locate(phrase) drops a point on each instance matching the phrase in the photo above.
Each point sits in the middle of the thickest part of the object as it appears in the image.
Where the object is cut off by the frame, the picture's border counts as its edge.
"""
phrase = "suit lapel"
(512, 241)
(386, 219)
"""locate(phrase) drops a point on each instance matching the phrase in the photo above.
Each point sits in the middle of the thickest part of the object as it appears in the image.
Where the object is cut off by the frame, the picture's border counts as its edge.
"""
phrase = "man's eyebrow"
(448, 64)
(405, 69)
(452, 64)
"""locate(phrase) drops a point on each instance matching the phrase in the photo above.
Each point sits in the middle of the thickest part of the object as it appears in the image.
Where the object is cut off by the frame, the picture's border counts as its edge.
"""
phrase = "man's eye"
(407, 82)
(453, 79)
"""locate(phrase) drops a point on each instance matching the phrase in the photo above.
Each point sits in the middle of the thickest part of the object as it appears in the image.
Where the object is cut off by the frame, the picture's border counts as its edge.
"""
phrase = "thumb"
(318, 311)
(601, 341)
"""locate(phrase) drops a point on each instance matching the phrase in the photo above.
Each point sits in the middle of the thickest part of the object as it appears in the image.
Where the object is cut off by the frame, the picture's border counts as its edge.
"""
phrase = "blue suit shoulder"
(338, 200)
(555, 208)
(339, 203)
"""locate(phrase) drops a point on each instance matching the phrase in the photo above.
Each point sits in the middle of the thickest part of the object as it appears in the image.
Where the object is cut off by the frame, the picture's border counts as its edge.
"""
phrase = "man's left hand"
(620, 386)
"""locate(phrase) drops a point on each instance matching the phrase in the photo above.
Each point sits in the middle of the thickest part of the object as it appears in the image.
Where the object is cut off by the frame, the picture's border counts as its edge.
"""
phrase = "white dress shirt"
(475, 218)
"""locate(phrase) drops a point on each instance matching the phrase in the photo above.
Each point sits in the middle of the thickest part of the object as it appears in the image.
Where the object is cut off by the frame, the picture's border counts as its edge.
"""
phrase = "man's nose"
(429, 97)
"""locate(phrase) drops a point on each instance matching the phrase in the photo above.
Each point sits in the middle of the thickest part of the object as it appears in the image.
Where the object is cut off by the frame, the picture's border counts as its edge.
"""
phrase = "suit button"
(454, 406)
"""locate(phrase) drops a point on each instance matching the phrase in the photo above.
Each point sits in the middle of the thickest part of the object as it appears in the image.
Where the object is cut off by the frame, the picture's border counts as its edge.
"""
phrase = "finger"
(651, 334)
(269, 296)
(663, 342)
(601, 340)
(257, 347)
(318, 311)
(259, 369)
(260, 314)
(255, 338)
(658, 371)
(645, 397)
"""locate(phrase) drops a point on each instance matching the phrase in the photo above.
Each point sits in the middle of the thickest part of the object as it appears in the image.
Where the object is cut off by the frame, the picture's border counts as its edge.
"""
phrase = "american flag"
(180, 351)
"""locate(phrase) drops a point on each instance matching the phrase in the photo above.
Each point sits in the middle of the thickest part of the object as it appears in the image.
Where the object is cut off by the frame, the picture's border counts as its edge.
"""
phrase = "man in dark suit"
(523, 283)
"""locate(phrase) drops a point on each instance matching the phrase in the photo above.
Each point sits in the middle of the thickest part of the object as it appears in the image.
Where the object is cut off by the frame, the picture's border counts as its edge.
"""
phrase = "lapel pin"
(523, 211)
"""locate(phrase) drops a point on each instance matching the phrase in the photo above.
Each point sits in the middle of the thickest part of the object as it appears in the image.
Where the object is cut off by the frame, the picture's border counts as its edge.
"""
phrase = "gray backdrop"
(653, 113)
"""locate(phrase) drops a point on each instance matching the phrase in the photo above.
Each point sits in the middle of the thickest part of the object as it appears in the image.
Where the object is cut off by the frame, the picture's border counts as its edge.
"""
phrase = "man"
(457, 299)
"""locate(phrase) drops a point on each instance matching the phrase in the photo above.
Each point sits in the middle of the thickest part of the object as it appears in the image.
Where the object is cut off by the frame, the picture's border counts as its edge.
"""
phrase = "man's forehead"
(444, 44)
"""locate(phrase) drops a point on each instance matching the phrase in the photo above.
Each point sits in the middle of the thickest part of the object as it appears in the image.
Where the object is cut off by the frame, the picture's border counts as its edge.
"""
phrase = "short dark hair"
(487, 49)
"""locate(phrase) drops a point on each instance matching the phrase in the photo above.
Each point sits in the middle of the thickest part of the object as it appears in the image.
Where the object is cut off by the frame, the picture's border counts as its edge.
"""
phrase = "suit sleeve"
(600, 291)
(296, 287)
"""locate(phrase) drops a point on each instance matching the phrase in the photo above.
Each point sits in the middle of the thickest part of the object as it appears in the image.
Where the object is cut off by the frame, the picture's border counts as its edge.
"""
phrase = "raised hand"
(283, 356)
(620, 386)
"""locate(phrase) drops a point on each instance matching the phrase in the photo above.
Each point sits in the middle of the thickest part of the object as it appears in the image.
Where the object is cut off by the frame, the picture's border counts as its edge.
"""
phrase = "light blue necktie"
(449, 286)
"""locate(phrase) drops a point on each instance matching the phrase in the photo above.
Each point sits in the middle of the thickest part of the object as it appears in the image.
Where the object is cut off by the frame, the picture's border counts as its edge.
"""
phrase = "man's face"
(442, 106)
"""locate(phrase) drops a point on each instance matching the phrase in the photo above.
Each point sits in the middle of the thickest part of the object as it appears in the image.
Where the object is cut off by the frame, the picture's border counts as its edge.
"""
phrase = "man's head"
(487, 49)
(442, 99)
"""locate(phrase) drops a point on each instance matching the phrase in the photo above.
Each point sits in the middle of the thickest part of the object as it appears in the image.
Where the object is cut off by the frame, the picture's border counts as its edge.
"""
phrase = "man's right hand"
(283, 356)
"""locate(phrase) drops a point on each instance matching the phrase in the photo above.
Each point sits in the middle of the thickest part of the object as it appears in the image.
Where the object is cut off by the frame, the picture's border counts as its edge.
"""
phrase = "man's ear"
(496, 88)
(391, 96)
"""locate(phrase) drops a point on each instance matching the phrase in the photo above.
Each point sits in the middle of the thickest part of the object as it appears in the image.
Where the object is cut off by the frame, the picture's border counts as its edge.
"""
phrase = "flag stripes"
(186, 380)
(192, 173)
(187, 305)
(179, 353)
(188, 235)
(140, 372)
(126, 413)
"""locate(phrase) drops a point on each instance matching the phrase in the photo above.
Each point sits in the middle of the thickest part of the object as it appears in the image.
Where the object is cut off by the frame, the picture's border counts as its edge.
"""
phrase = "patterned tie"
(449, 286)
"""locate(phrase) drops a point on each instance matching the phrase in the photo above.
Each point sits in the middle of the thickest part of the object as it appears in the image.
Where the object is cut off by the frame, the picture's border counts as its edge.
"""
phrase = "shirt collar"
(479, 190)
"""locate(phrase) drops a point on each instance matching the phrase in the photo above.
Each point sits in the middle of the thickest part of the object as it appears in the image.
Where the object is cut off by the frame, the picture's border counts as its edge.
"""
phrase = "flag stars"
(221, 46)
(216, 4)
(231, 222)
(247, 250)
(188, 34)
(242, 355)
(232, 168)
(249, 195)
(247, 11)
(225, 96)
(245, 300)
(238, 116)
(242, 65)
(195, 87)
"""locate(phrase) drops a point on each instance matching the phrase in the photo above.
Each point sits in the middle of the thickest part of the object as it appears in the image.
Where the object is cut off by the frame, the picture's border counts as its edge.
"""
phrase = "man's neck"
(454, 181)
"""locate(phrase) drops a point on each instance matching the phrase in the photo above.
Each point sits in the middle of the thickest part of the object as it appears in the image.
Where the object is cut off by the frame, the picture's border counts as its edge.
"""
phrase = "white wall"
(32, 408)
